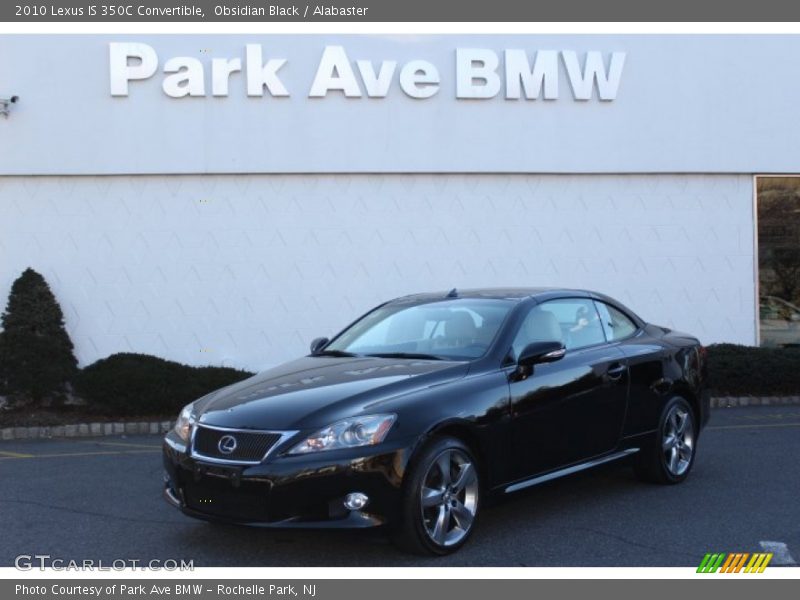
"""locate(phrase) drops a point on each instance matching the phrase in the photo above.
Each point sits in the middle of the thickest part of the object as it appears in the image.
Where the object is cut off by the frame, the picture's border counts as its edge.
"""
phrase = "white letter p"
(121, 72)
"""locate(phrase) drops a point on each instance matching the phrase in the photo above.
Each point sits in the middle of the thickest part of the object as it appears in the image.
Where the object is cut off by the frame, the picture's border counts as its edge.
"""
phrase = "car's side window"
(616, 324)
(572, 321)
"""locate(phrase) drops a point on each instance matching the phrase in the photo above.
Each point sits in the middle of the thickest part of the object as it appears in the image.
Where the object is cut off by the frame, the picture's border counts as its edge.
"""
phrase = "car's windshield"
(457, 329)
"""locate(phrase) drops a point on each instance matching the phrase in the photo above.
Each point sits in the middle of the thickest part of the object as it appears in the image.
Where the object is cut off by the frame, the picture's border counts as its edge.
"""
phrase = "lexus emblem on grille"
(227, 444)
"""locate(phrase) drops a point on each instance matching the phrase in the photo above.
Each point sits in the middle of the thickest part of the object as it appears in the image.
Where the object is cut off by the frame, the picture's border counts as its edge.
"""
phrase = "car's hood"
(314, 391)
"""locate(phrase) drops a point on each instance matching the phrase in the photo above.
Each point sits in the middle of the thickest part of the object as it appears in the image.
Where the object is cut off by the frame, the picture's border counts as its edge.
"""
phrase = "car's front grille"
(233, 445)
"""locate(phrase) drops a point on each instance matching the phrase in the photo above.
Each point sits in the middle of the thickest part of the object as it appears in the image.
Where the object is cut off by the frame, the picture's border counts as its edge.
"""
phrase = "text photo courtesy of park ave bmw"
(522, 300)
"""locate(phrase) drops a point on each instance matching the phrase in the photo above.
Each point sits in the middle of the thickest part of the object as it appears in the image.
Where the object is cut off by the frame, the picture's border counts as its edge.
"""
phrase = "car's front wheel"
(440, 499)
(669, 456)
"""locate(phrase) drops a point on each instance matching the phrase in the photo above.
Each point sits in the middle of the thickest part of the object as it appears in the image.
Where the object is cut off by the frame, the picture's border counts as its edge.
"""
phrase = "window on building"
(778, 204)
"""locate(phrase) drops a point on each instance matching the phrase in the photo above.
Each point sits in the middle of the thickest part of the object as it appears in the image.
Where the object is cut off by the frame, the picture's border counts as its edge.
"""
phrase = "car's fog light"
(355, 501)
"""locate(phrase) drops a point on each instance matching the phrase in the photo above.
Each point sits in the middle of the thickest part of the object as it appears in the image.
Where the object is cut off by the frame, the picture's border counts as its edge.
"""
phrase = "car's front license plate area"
(231, 474)
(220, 490)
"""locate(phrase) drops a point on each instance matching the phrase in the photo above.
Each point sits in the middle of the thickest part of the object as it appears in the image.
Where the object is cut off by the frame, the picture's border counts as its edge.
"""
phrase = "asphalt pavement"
(100, 499)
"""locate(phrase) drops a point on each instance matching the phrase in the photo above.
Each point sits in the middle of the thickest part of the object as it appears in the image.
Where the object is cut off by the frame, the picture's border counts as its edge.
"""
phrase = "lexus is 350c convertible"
(429, 404)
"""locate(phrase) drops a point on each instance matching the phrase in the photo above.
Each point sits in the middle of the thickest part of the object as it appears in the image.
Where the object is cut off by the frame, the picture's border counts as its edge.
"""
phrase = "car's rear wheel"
(441, 497)
(669, 455)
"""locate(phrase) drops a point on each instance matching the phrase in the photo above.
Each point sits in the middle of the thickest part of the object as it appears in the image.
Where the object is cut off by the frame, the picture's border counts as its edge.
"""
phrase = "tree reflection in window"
(778, 201)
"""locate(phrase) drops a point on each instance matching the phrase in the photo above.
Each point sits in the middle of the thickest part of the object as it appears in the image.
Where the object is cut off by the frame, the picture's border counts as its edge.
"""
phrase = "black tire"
(658, 462)
(414, 531)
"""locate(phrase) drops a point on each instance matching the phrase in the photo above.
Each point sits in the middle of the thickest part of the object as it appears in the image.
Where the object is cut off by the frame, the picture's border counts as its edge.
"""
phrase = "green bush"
(138, 384)
(36, 355)
(750, 371)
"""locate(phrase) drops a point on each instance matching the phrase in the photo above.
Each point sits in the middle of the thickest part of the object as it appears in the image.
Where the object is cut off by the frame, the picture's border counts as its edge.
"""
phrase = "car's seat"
(539, 326)
(542, 326)
(488, 329)
(588, 334)
(460, 330)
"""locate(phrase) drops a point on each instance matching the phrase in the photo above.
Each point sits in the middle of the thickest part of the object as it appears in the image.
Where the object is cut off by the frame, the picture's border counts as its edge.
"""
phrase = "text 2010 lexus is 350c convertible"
(429, 404)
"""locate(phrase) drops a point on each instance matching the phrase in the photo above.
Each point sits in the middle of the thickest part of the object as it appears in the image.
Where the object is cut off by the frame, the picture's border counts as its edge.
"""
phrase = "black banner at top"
(398, 11)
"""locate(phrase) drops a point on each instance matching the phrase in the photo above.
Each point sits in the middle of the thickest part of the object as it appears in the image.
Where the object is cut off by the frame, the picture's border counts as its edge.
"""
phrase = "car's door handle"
(616, 371)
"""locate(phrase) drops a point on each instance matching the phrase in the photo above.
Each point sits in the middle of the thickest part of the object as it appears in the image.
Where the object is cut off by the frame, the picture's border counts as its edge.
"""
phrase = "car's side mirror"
(541, 352)
(318, 343)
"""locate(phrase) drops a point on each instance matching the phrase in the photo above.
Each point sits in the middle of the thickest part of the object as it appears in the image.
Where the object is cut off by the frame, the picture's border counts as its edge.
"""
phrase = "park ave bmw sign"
(480, 73)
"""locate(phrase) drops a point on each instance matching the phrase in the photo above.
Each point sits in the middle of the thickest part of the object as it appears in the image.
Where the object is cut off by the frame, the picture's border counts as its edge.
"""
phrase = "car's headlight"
(348, 433)
(183, 426)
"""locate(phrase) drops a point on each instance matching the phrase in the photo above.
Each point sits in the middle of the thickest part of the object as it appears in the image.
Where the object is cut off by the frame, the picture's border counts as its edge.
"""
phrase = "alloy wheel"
(449, 497)
(678, 440)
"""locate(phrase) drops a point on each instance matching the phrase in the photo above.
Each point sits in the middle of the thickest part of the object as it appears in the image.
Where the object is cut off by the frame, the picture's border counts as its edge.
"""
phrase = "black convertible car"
(428, 404)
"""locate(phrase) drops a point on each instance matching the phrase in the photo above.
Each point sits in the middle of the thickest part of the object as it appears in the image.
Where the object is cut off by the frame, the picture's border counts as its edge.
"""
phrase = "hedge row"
(37, 365)
(139, 384)
(750, 371)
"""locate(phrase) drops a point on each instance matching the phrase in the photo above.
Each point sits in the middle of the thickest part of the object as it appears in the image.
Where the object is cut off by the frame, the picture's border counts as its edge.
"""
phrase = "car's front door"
(566, 411)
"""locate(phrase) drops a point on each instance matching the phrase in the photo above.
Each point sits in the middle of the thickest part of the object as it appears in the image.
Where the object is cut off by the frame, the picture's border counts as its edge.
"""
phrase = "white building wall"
(685, 104)
(246, 270)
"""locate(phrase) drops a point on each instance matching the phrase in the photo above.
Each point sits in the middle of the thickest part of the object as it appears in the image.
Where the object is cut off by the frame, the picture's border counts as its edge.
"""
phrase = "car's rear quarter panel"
(662, 365)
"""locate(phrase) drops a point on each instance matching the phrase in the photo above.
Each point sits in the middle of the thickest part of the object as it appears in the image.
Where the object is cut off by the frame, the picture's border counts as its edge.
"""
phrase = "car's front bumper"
(289, 491)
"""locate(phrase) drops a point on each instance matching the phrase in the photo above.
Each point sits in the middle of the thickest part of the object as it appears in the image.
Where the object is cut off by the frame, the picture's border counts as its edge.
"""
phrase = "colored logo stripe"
(758, 563)
(734, 562)
(710, 563)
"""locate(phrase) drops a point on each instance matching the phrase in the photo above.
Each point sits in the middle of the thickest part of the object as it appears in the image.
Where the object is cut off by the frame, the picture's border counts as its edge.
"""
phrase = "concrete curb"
(155, 427)
(731, 401)
(85, 430)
